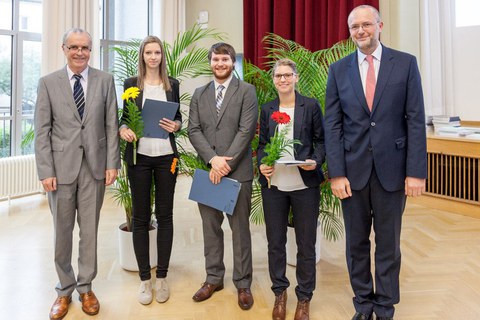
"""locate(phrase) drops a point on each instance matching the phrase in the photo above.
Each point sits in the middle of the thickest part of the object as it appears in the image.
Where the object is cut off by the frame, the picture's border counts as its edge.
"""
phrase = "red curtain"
(315, 24)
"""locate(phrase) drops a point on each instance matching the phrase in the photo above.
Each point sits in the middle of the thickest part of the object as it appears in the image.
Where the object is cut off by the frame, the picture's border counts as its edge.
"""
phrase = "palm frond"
(256, 212)
(125, 63)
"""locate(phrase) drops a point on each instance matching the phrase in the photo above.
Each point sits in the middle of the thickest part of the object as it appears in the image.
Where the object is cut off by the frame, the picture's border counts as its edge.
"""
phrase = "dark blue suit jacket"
(307, 127)
(391, 138)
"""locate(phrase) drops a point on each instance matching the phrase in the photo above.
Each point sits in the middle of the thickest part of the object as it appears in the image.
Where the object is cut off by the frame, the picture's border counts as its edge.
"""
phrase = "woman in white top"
(292, 188)
(156, 161)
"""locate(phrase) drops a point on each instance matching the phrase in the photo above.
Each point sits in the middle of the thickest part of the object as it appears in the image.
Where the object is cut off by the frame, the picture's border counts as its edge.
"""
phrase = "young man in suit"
(376, 154)
(77, 154)
(222, 121)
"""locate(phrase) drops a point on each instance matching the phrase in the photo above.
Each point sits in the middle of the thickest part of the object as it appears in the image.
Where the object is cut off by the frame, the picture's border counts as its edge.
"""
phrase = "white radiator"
(18, 176)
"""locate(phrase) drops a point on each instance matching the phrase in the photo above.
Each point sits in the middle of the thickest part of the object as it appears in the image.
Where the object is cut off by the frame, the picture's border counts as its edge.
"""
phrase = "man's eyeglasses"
(287, 76)
(77, 48)
(364, 26)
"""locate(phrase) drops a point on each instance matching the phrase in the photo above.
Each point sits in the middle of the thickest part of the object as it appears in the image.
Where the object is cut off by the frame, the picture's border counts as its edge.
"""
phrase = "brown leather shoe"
(90, 304)
(60, 307)
(245, 298)
(206, 291)
(302, 310)
(280, 307)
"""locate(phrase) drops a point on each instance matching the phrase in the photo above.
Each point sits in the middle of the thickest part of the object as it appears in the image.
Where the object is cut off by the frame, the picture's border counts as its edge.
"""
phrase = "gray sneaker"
(145, 295)
(162, 290)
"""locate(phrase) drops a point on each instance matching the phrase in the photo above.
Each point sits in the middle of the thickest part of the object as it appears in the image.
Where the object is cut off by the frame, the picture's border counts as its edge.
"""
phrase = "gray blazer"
(61, 137)
(231, 132)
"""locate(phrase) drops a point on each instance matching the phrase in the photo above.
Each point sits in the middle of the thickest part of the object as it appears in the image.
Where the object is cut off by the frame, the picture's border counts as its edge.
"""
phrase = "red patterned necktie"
(371, 82)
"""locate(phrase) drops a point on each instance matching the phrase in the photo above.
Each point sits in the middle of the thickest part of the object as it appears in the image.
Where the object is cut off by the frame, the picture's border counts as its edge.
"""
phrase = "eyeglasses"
(287, 76)
(364, 26)
(77, 48)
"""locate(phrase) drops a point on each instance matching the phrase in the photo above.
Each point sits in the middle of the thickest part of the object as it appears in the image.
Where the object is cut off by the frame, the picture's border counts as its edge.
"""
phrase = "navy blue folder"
(152, 112)
(222, 196)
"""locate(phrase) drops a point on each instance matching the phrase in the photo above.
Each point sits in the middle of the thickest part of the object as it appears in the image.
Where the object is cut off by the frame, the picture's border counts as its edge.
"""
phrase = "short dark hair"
(222, 48)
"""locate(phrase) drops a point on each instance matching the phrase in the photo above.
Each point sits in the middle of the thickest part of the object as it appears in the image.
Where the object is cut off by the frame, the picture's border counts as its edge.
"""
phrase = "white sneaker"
(145, 295)
(163, 291)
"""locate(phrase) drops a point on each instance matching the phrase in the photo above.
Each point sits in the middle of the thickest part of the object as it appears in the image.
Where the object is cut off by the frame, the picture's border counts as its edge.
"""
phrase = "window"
(466, 13)
(20, 61)
(122, 21)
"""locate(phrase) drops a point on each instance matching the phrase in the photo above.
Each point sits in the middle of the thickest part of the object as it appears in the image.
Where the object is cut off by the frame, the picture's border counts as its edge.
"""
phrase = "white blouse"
(154, 147)
(288, 178)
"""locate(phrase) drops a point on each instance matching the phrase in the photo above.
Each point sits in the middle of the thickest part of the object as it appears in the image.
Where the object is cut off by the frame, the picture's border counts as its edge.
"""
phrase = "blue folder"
(222, 196)
(152, 112)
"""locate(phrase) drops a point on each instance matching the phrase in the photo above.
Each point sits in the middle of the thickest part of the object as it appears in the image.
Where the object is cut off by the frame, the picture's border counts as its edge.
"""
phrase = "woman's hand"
(128, 135)
(309, 167)
(169, 125)
(267, 171)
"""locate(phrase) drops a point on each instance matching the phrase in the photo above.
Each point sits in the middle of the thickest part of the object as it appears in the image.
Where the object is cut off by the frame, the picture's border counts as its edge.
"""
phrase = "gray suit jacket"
(61, 137)
(231, 132)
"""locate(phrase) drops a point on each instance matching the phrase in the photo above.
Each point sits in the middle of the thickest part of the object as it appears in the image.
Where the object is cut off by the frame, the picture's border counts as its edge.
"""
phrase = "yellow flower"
(131, 93)
(174, 165)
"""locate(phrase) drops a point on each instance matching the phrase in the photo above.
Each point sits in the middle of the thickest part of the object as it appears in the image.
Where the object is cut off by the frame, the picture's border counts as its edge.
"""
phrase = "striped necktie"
(219, 100)
(78, 95)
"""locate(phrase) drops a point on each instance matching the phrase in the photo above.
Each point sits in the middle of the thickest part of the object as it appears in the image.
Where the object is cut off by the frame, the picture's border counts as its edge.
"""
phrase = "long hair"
(142, 69)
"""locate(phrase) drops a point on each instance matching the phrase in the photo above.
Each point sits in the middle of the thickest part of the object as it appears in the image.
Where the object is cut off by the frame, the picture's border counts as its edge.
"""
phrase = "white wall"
(225, 16)
(467, 72)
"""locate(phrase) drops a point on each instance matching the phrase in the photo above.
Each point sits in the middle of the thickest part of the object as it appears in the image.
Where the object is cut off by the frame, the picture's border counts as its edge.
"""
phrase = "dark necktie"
(78, 95)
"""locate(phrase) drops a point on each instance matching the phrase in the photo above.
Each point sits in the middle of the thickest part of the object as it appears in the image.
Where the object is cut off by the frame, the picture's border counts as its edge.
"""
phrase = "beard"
(223, 74)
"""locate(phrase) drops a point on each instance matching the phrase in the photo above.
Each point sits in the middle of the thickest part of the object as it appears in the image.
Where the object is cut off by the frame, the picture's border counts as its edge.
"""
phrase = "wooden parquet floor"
(440, 277)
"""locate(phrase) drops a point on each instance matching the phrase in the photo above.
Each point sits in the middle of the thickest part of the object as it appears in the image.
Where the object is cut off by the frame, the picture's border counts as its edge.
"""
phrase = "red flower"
(280, 117)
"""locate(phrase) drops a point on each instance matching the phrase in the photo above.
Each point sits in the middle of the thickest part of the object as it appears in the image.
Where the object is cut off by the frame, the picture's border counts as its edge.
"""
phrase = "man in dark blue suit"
(376, 153)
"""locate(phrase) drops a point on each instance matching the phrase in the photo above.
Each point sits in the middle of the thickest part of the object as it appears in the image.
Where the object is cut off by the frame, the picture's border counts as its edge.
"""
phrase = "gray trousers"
(242, 243)
(82, 200)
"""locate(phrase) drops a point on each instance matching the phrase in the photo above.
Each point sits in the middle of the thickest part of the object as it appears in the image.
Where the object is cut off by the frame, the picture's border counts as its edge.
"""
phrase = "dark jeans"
(305, 206)
(140, 177)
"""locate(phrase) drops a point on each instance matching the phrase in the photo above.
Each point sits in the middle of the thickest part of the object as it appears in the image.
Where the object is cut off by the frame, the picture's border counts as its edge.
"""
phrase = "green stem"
(134, 152)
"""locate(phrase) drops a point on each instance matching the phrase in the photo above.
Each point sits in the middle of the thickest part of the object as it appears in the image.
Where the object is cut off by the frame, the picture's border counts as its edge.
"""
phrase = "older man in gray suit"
(222, 122)
(77, 154)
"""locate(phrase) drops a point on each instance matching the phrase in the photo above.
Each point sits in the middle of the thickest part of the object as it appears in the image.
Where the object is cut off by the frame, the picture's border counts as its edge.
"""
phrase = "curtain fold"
(173, 19)
(58, 17)
(436, 63)
(315, 24)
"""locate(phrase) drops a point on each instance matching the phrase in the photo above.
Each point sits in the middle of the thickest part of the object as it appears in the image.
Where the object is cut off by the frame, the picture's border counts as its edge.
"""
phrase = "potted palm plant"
(313, 70)
(181, 64)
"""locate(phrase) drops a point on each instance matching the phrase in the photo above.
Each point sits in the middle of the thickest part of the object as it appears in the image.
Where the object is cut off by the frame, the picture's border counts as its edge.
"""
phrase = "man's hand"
(214, 176)
(220, 165)
(110, 176)
(341, 187)
(414, 187)
(49, 184)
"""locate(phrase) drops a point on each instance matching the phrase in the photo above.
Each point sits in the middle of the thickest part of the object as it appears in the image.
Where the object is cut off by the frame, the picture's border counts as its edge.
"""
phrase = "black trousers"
(373, 205)
(305, 206)
(141, 175)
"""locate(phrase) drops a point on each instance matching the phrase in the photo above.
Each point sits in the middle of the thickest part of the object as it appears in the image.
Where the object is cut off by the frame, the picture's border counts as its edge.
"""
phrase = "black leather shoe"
(361, 316)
